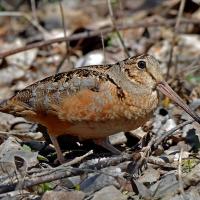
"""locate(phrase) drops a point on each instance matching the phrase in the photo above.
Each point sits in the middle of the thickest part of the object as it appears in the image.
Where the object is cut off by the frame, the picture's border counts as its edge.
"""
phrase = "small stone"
(10, 151)
(138, 133)
(96, 182)
(118, 138)
(60, 195)
(107, 193)
(150, 176)
(93, 58)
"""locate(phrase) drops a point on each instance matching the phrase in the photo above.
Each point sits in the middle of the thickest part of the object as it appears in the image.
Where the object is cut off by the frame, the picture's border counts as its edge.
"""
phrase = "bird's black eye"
(141, 64)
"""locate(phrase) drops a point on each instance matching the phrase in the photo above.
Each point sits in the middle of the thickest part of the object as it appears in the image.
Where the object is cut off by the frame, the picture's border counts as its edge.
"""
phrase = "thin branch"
(180, 181)
(194, 66)
(63, 171)
(16, 194)
(162, 164)
(78, 159)
(88, 34)
(66, 56)
(116, 29)
(4, 134)
(33, 8)
(103, 48)
(155, 142)
(170, 132)
(176, 29)
(180, 13)
(27, 17)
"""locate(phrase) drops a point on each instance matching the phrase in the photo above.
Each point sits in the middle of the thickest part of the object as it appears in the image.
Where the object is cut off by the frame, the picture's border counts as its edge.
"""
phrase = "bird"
(94, 102)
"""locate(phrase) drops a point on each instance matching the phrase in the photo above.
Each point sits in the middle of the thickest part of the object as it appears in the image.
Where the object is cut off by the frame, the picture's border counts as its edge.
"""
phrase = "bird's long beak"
(167, 90)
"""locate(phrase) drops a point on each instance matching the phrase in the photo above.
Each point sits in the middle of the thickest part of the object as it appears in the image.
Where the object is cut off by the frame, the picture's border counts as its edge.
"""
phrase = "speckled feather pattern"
(90, 102)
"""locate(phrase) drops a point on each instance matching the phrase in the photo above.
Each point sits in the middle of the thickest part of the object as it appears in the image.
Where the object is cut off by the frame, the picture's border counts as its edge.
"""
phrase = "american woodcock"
(94, 102)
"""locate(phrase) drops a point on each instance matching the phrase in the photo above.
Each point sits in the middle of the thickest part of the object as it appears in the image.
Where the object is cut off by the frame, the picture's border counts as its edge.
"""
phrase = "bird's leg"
(60, 156)
(104, 142)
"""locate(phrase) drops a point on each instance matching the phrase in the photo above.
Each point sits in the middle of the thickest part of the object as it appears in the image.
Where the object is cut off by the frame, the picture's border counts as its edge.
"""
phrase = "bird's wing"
(82, 94)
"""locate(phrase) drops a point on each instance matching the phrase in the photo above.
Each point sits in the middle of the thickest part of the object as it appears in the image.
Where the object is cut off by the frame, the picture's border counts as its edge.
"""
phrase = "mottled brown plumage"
(94, 102)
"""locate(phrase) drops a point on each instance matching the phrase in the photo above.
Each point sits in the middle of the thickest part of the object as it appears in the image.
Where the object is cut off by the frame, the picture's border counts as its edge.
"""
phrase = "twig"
(140, 159)
(154, 142)
(191, 68)
(17, 194)
(162, 164)
(147, 149)
(180, 13)
(116, 29)
(101, 164)
(33, 8)
(95, 33)
(78, 159)
(4, 134)
(27, 17)
(20, 133)
(62, 171)
(180, 172)
(103, 48)
(66, 56)
(61, 63)
(170, 132)
(176, 28)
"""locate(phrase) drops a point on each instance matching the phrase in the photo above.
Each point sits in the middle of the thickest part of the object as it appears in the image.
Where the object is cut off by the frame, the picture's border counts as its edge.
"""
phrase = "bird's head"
(144, 70)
